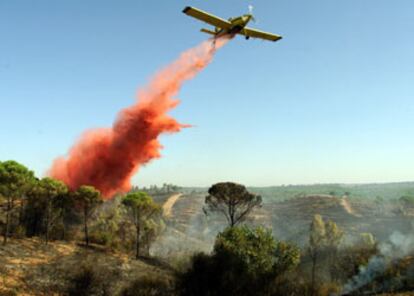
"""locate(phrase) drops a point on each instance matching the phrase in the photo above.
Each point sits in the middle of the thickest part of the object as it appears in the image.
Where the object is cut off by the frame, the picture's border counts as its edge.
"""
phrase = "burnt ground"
(29, 267)
(189, 228)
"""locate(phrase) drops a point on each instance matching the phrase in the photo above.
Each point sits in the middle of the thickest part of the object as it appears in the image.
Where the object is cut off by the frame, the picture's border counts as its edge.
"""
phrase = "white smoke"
(398, 246)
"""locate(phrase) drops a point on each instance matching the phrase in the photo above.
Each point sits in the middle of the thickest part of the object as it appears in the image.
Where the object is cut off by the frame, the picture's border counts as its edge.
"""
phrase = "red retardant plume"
(107, 158)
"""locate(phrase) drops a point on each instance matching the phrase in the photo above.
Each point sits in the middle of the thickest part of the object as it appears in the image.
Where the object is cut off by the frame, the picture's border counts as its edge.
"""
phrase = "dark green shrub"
(88, 281)
(244, 262)
(83, 283)
(150, 286)
(220, 274)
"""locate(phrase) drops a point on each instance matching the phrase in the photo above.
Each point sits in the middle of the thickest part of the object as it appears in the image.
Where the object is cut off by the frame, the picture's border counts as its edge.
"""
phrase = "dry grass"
(29, 267)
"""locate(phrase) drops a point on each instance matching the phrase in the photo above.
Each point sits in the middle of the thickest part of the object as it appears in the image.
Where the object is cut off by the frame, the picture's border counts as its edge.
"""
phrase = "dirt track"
(168, 205)
(347, 206)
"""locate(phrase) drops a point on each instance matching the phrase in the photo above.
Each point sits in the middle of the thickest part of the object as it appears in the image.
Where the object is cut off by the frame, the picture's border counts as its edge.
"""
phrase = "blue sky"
(331, 102)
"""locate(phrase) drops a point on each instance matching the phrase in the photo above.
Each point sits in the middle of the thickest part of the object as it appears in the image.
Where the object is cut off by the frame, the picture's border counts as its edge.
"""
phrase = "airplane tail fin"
(208, 31)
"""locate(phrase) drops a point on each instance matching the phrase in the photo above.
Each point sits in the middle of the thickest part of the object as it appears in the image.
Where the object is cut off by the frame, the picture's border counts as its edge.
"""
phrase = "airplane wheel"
(247, 37)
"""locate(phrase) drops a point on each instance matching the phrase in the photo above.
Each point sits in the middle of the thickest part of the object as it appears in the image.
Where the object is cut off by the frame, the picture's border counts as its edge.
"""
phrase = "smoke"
(398, 246)
(107, 158)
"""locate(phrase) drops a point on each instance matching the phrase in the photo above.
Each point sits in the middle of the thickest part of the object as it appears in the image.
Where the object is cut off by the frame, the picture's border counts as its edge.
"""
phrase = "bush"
(100, 238)
(257, 248)
(179, 262)
(19, 232)
(244, 262)
(351, 259)
(214, 275)
(292, 284)
(329, 288)
(150, 286)
(87, 281)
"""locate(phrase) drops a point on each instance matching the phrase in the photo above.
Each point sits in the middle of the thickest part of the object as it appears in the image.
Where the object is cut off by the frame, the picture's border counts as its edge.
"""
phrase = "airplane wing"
(206, 17)
(248, 32)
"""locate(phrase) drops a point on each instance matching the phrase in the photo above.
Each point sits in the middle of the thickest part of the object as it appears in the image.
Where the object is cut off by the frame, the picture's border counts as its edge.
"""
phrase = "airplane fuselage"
(238, 24)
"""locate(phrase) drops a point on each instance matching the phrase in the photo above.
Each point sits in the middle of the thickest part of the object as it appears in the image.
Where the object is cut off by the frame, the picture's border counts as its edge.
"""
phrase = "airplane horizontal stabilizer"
(208, 31)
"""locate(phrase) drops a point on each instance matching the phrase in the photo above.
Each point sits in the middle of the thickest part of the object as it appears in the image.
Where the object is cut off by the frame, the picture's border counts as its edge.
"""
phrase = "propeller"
(251, 12)
(251, 9)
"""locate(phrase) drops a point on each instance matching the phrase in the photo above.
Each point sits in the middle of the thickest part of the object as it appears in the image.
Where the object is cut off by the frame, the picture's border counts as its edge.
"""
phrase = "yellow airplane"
(234, 25)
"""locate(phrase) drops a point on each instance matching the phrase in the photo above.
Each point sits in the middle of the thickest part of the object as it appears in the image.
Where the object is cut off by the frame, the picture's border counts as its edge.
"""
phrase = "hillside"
(363, 191)
(29, 267)
(386, 191)
(189, 228)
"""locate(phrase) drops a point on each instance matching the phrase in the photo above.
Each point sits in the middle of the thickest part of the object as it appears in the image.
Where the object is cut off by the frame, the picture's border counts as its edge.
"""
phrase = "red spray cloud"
(107, 158)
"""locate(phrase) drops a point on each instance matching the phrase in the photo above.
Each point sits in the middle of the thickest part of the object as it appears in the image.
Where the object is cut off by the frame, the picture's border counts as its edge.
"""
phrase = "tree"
(333, 234)
(407, 203)
(152, 228)
(142, 209)
(366, 240)
(15, 181)
(50, 193)
(65, 203)
(244, 262)
(87, 198)
(33, 212)
(334, 237)
(317, 239)
(232, 200)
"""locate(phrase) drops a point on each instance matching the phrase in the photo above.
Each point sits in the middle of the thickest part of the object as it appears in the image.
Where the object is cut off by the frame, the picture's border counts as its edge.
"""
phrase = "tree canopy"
(257, 249)
(233, 200)
(50, 188)
(139, 201)
(15, 179)
(88, 196)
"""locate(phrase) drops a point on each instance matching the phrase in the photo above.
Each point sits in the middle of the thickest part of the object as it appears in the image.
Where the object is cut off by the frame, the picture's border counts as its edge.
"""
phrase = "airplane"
(232, 26)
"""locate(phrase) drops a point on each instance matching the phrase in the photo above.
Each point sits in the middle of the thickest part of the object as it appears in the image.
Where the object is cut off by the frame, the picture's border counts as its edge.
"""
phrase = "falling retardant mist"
(107, 158)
